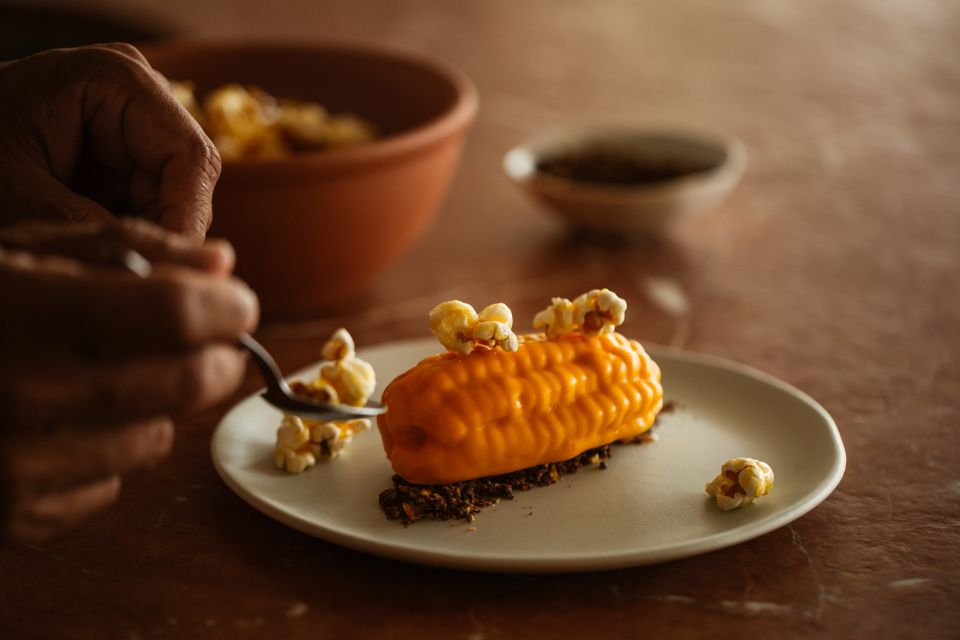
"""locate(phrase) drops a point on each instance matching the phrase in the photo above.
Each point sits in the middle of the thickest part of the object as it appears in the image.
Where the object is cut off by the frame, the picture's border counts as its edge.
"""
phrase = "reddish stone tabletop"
(833, 266)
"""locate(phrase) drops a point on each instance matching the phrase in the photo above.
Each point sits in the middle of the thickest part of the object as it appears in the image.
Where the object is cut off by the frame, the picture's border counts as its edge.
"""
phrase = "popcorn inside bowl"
(247, 122)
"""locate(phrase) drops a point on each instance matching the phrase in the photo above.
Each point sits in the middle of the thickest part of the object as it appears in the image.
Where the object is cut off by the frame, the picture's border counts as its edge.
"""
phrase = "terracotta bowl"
(315, 228)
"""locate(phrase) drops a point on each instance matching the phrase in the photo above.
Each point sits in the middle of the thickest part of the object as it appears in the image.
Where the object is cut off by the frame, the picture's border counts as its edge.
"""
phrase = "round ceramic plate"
(647, 506)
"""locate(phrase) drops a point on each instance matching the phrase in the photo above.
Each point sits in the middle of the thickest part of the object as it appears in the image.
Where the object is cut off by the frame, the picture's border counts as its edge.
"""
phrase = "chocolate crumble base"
(463, 500)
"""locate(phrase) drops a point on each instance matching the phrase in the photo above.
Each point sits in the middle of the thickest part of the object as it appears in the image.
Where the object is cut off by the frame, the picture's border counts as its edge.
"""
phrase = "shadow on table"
(327, 582)
(655, 276)
(622, 253)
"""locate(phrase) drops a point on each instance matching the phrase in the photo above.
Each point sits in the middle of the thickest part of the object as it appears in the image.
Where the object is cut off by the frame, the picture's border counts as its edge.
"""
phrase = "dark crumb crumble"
(410, 502)
(668, 407)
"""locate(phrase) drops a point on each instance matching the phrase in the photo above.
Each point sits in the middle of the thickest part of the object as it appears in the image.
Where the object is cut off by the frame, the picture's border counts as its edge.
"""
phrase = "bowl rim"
(718, 177)
(454, 119)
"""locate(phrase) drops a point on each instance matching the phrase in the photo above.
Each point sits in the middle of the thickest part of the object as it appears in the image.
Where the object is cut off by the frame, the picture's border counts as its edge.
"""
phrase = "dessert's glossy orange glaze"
(454, 417)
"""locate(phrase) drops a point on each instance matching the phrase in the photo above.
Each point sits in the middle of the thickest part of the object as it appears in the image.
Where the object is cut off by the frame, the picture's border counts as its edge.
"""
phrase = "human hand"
(94, 132)
(97, 360)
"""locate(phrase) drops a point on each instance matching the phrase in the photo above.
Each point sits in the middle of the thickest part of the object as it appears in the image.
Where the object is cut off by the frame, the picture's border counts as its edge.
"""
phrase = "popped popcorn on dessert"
(499, 412)
(461, 329)
(592, 313)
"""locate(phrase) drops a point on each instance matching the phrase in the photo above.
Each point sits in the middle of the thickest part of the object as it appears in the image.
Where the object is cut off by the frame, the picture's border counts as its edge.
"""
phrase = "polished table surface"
(833, 266)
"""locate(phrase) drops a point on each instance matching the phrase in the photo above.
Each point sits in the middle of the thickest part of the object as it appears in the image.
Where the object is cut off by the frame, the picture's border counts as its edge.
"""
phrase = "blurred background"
(835, 102)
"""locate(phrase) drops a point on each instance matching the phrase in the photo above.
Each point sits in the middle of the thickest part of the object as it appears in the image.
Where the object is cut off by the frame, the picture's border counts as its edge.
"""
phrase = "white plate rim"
(567, 563)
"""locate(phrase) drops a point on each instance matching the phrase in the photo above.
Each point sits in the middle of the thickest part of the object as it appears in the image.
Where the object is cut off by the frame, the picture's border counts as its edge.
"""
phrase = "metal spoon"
(278, 392)
(280, 395)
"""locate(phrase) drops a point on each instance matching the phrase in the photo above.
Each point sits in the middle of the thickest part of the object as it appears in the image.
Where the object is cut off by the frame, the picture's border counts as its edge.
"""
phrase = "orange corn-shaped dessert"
(456, 417)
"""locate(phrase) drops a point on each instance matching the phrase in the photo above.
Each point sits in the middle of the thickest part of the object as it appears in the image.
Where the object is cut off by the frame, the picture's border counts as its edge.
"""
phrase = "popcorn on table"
(740, 482)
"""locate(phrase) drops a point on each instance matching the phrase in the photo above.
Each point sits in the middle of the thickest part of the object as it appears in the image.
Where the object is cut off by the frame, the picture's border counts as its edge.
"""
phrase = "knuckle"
(207, 156)
(117, 67)
(110, 61)
(126, 49)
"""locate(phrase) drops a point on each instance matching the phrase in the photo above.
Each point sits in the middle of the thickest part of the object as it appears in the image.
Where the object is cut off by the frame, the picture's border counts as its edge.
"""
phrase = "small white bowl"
(642, 208)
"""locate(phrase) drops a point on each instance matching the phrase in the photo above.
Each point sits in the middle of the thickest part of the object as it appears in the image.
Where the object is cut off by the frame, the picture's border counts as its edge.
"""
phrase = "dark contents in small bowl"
(619, 167)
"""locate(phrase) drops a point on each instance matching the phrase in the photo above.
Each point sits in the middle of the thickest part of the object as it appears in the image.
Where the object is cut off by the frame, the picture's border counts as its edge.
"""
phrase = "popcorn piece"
(495, 334)
(557, 319)
(348, 131)
(247, 122)
(452, 323)
(740, 482)
(461, 329)
(599, 311)
(318, 389)
(229, 147)
(339, 346)
(241, 121)
(345, 380)
(294, 451)
(301, 443)
(497, 312)
(353, 380)
(494, 327)
(305, 124)
(593, 313)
